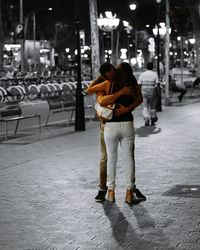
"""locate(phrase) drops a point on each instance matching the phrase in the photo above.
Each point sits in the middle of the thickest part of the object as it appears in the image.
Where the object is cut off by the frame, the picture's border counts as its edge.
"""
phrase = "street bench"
(10, 112)
(66, 103)
(59, 104)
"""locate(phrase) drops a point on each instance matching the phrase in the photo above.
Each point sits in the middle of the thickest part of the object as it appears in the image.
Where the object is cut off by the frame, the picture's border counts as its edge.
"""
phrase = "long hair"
(124, 76)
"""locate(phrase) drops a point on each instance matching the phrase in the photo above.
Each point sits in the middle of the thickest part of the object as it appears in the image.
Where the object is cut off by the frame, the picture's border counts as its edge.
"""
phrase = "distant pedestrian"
(177, 88)
(148, 81)
(196, 82)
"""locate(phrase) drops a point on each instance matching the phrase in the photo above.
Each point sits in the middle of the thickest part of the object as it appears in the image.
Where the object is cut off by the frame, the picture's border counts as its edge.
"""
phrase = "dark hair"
(124, 75)
(149, 65)
(105, 68)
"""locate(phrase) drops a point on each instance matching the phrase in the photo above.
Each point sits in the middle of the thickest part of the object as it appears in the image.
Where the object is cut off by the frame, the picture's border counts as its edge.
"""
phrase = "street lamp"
(167, 49)
(21, 21)
(128, 28)
(159, 30)
(192, 42)
(156, 32)
(108, 23)
(133, 7)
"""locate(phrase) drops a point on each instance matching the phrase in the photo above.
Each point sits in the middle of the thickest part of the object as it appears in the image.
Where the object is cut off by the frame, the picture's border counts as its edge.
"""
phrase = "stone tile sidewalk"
(47, 189)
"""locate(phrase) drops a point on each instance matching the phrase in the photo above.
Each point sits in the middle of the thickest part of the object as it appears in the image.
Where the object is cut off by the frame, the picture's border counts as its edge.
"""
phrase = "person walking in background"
(148, 81)
(120, 130)
(177, 88)
(174, 86)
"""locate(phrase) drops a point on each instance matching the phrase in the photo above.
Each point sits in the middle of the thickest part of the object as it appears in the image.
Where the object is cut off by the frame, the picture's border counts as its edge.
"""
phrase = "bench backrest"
(60, 102)
(10, 109)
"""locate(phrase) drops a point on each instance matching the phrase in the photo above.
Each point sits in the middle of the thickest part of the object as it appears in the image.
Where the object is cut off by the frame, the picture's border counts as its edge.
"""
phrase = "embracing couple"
(119, 86)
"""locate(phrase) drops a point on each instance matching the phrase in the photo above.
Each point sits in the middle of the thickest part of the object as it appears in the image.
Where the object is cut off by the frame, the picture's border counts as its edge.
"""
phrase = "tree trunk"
(194, 6)
(94, 38)
(1, 38)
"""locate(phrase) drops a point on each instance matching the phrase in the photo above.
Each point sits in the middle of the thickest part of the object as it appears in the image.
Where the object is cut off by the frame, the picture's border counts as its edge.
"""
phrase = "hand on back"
(128, 90)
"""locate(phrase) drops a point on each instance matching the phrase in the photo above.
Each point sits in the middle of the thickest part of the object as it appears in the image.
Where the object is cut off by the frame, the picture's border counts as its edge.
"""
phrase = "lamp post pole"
(159, 92)
(21, 20)
(167, 49)
(80, 111)
(128, 28)
(34, 40)
(133, 7)
(158, 53)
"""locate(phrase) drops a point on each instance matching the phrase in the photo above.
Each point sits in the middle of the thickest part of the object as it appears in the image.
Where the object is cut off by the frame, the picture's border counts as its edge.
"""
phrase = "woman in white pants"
(120, 129)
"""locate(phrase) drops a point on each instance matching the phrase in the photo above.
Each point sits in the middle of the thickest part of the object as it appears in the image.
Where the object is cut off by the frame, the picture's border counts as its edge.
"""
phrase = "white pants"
(149, 103)
(122, 133)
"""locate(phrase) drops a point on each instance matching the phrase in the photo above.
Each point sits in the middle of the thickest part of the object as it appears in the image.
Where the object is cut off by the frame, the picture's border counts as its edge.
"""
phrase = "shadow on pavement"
(123, 231)
(153, 228)
(12, 139)
(144, 219)
(118, 221)
(146, 131)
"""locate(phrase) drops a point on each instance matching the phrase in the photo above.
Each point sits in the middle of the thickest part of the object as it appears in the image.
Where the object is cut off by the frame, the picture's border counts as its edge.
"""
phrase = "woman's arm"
(105, 100)
(100, 87)
(98, 80)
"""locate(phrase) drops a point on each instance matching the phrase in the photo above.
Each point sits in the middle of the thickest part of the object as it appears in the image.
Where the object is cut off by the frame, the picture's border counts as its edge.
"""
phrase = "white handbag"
(104, 113)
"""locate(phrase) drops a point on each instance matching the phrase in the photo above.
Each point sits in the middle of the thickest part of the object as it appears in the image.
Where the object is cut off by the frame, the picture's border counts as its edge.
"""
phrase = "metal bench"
(10, 112)
(59, 104)
(66, 103)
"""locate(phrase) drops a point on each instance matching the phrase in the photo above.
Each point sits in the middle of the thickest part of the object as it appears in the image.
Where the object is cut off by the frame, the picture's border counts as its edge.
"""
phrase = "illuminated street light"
(132, 6)
(128, 28)
(108, 23)
(192, 40)
(67, 50)
(167, 49)
(162, 30)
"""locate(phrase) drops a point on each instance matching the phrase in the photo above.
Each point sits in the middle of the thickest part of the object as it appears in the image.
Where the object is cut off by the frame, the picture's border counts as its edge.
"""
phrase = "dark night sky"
(64, 10)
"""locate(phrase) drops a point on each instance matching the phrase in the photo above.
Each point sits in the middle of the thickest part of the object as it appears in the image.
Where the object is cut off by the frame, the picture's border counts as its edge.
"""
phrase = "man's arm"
(137, 100)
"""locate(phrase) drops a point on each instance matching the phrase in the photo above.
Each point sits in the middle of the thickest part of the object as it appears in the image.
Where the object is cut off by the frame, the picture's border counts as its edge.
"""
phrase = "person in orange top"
(126, 93)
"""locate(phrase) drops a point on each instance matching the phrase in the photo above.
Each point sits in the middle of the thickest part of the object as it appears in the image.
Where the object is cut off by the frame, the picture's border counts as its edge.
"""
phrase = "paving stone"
(47, 189)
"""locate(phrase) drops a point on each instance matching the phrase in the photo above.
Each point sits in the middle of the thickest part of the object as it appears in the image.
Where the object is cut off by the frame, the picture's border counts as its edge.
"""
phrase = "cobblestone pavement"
(47, 189)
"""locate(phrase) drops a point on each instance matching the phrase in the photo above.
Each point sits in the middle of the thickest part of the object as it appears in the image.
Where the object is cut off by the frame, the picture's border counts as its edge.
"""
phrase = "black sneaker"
(138, 196)
(101, 196)
(153, 120)
(180, 97)
(146, 122)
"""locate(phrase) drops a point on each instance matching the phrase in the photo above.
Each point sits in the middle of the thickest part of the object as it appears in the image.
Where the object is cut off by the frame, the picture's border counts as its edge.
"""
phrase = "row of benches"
(11, 111)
